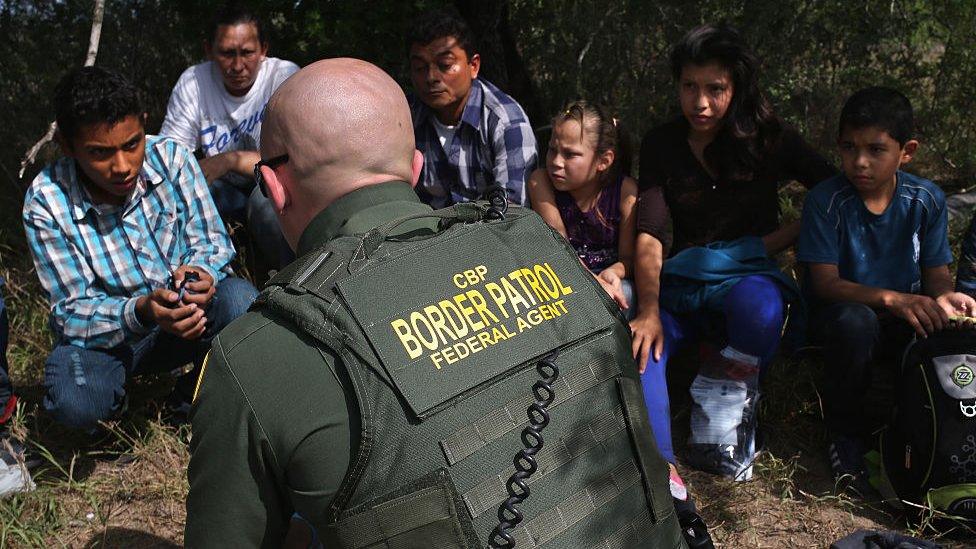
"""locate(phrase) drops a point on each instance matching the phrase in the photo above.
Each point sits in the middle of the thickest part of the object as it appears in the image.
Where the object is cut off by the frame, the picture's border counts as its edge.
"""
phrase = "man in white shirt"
(216, 108)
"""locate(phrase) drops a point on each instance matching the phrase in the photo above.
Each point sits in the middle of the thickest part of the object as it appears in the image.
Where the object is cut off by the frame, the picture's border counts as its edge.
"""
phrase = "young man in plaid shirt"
(472, 134)
(128, 245)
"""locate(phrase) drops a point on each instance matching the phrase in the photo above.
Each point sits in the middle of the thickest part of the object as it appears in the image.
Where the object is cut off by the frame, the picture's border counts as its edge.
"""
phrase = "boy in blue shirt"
(875, 244)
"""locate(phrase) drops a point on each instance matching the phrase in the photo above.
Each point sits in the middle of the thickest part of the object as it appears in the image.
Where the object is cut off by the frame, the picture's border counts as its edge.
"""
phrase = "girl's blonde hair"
(601, 131)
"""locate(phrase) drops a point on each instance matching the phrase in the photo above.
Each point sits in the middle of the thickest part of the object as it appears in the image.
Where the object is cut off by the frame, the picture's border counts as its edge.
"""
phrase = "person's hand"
(162, 307)
(921, 311)
(199, 292)
(957, 304)
(217, 166)
(648, 335)
(614, 287)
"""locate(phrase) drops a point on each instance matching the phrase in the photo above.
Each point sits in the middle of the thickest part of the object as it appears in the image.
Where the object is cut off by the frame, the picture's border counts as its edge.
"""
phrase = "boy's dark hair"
(93, 95)
(440, 23)
(750, 128)
(235, 15)
(882, 108)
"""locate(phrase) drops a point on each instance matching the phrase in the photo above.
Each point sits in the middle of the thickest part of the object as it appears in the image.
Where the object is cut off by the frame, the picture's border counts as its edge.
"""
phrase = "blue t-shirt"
(882, 251)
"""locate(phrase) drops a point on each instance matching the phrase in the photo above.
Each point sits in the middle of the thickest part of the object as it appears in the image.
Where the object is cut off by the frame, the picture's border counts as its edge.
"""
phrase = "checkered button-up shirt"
(493, 143)
(95, 260)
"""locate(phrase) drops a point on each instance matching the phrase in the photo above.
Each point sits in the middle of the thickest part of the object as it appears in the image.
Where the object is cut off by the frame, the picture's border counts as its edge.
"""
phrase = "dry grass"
(127, 490)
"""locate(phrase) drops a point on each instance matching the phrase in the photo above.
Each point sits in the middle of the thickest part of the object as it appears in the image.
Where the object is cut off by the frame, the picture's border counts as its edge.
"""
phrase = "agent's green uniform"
(393, 421)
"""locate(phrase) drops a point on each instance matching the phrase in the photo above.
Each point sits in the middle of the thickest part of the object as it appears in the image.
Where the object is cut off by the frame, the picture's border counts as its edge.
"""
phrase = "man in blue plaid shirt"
(472, 134)
(128, 245)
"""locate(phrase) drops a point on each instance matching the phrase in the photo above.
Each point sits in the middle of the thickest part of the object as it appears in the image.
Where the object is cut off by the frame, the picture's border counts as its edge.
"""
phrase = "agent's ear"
(208, 50)
(475, 63)
(908, 151)
(418, 165)
(277, 192)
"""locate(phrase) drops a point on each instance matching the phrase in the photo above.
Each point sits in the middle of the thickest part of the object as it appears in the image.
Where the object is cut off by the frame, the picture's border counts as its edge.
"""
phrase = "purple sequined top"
(593, 234)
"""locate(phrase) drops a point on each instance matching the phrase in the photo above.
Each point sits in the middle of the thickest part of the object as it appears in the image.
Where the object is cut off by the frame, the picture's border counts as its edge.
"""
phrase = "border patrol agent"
(416, 378)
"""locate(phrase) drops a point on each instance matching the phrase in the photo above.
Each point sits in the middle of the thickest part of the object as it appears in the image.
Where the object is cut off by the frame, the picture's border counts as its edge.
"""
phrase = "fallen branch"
(93, 39)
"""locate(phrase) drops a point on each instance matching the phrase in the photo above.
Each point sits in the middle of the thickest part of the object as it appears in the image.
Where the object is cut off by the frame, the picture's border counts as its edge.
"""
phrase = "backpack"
(929, 448)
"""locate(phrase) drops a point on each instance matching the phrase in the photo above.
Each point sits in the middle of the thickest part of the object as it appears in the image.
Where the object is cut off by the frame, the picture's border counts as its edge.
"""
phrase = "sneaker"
(176, 410)
(693, 527)
(723, 427)
(14, 473)
(846, 455)
(679, 492)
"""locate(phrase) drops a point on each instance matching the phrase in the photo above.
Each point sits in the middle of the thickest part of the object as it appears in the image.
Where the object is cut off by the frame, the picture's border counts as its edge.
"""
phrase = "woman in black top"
(713, 175)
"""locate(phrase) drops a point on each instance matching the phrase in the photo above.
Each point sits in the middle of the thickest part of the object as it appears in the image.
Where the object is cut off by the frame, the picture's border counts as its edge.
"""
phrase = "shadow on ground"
(128, 538)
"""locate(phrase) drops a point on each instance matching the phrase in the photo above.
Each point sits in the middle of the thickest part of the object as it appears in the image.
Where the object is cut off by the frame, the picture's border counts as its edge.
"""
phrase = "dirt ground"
(130, 492)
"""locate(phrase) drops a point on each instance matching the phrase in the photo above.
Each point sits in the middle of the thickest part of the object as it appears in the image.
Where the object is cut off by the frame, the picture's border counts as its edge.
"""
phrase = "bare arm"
(782, 238)
(240, 162)
(937, 283)
(627, 232)
(543, 199)
(922, 312)
(611, 276)
(647, 331)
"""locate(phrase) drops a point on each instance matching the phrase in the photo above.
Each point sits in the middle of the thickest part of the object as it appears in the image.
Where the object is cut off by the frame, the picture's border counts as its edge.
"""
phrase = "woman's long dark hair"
(750, 127)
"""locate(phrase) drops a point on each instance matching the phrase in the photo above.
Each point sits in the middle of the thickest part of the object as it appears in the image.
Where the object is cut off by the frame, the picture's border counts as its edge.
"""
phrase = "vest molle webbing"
(441, 331)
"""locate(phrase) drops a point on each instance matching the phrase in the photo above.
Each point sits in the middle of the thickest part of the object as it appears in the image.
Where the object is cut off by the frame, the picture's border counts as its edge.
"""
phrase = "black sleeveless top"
(676, 190)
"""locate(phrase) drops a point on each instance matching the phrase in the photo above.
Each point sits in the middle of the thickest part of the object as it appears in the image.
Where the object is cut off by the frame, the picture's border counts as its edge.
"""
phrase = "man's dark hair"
(882, 108)
(440, 23)
(93, 95)
(235, 15)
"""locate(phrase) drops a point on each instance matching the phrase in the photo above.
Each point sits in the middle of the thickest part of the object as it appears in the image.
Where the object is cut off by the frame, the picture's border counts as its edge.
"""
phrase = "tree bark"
(98, 16)
(501, 61)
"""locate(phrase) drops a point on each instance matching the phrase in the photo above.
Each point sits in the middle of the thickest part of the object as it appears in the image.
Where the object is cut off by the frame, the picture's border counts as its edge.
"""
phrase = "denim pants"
(238, 201)
(6, 388)
(853, 335)
(725, 391)
(265, 232)
(85, 386)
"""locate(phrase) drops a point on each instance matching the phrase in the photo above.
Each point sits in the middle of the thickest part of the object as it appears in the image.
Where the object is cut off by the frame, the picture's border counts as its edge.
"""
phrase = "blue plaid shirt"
(94, 260)
(493, 143)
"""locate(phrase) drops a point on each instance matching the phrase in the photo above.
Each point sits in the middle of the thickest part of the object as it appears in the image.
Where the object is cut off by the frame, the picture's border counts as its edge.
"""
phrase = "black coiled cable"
(497, 202)
(509, 516)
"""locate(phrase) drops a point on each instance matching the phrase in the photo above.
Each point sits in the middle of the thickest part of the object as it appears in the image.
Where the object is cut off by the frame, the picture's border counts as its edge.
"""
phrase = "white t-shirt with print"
(202, 115)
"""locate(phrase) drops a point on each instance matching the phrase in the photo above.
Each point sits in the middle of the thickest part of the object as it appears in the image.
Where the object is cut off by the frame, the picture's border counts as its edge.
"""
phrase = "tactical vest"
(469, 344)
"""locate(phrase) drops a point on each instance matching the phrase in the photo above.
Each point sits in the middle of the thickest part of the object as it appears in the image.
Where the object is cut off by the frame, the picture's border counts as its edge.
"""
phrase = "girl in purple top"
(585, 194)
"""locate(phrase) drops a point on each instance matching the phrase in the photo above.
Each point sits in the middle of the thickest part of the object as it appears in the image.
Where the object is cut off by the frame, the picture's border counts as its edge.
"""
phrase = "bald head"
(344, 124)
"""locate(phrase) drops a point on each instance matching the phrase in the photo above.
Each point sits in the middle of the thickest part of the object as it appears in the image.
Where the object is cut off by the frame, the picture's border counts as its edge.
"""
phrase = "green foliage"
(814, 54)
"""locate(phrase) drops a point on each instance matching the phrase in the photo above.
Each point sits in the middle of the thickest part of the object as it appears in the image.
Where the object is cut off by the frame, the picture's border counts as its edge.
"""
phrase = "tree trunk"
(501, 62)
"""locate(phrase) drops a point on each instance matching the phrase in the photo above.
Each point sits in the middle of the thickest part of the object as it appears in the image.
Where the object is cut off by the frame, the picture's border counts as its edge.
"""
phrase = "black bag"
(929, 449)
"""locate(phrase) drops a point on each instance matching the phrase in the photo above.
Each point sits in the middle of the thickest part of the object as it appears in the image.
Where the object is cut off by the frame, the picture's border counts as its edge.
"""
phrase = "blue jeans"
(6, 388)
(85, 386)
(230, 198)
(237, 201)
(853, 335)
(265, 232)
(753, 311)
